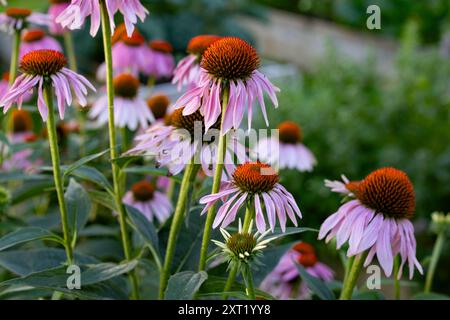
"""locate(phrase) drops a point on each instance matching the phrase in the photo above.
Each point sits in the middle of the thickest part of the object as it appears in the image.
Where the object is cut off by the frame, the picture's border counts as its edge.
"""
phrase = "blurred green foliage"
(432, 15)
(356, 119)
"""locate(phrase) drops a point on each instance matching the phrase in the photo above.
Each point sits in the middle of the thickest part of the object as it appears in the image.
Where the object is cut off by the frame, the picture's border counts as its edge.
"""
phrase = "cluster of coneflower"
(222, 85)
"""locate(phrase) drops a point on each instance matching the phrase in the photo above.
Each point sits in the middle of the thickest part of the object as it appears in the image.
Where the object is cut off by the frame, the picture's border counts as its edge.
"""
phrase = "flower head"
(181, 139)
(130, 109)
(150, 202)
(282, 281)
(258, 183)
(188, 69)
(54, 10)
(287, 151)
(377, 219)
(159, 104)
(228, 63)
(19, 18)
(162, 63)
(243, 247)
(42, 68)
(36, 39)
(74, 16)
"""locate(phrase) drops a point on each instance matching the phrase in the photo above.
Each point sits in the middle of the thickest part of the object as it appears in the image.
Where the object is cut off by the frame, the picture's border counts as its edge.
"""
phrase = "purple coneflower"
(258, 183)
(54, 10)
(292, 153)
(36, 39)
(74, 16)
(187, 70)
(150, 202)
(282, 281)
(130, 110)
(228, 63)
(377, 219)
(162, 63)
(19, 18)
(46, 67)
(176, 141)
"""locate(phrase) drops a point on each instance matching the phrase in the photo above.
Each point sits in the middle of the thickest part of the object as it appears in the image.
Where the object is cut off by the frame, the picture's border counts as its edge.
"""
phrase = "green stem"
(348, 267)
(247, 274)
(54, 152)
(188, 178)
(437, 250)
(352, 276)
(215, 187)
(249, 215)
(396, 279)
(14, 57)
(68, 44)
(106, 32)
(171, 189)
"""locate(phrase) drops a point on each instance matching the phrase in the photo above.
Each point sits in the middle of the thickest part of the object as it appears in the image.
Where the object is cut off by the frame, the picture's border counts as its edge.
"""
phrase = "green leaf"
(98, 230)
(124, 161)
(24, 262)
(184, 285)
(144, 227)
(14, 176)
(30, 190)
(105, 271)
(93, 175)
(162, 172)
(430, 296)
(315, 285)
(103, 198)
(214, 285)
(27, 234)
(78, 206)
(369, 295)
(95, 280)
(83, 161)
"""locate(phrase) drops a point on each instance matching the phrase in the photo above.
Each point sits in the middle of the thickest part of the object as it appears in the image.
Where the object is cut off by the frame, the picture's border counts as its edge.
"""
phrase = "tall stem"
(249, 215)
(352, 276)
(54, 152)
(106, 31)
(437, 249)
(216, 185)
(14, 57)
(247, 274)
(396, 279)
(68, 44)
(178, 216)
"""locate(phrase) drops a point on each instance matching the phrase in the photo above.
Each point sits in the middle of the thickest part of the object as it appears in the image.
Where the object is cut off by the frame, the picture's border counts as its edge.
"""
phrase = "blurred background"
(364, 98)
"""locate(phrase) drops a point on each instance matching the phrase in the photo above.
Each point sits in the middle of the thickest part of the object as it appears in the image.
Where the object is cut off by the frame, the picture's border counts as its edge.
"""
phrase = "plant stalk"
(352, 276)
(437, 250)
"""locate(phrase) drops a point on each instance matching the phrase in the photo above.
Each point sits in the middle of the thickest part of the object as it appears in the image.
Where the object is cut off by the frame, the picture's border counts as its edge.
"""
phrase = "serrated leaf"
(27, 234)
(184, 285)
(316, 285)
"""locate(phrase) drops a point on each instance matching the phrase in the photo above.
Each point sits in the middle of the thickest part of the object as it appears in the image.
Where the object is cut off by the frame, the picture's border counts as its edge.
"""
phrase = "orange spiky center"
(143, 191)
(33, 35)
(197, 45)
(230, 59)
(126, 85)
(190, 122)
(42, 62)
(135, 40)
(158, 104)
(21, 121)
(255, 177)
(119, 32)
(18, 13)
(307, 257)
(290, 132)
(388, 191)
(5, 76)
(161, 46)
